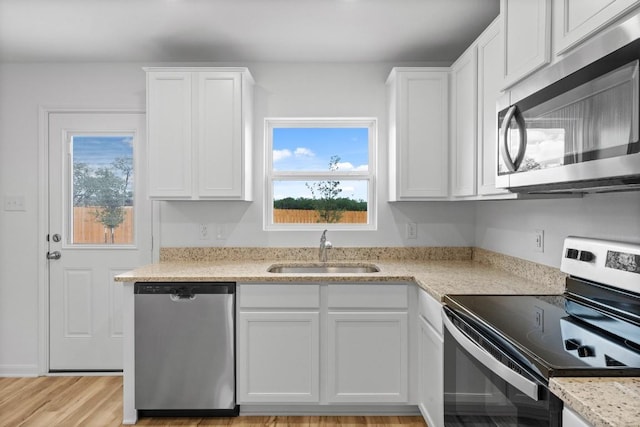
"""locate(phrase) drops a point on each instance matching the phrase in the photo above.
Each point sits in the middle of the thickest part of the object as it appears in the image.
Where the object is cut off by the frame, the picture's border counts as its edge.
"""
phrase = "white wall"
(282, 90)
(508, 226)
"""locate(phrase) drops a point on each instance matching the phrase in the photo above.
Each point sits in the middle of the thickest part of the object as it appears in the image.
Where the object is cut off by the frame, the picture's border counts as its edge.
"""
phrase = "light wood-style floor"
(97, 401)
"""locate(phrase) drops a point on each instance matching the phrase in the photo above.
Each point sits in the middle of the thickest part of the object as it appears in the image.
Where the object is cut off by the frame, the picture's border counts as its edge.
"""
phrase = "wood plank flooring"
(97, 401)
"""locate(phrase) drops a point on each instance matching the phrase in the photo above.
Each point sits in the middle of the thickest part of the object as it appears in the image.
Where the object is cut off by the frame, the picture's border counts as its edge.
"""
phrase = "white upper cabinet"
(418, 133)
(527, 37)
(576, 20)
(199, 122)
(169, 102)
(490, 59)
(464, 88)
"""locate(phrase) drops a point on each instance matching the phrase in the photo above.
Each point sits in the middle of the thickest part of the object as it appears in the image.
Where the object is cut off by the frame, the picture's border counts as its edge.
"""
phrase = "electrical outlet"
(412, 230)
(203, 232)
(221, 232)
(538, 241)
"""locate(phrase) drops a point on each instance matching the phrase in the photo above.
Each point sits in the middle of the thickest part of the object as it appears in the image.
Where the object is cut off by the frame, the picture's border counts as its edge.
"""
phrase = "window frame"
(371, 123)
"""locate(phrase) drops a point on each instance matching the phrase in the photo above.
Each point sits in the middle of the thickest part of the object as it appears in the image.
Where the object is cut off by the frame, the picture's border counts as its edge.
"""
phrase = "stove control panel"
(595, 349)
(612, 263)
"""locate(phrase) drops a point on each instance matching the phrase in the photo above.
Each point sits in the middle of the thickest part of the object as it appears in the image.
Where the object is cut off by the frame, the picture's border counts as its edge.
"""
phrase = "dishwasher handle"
(184, 289)
(182, 297)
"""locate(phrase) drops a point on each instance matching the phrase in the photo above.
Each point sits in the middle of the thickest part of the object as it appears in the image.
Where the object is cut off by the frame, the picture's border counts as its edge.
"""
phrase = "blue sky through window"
(101, 151)
(311, 149)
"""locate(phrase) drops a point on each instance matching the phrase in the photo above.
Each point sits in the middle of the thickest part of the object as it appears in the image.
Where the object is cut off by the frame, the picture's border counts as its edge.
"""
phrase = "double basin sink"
(323, 269)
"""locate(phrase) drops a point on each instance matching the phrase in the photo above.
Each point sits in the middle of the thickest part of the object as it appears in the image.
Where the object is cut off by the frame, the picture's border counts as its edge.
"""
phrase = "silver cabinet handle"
(54, 255)
(511, 164)
(481, 355)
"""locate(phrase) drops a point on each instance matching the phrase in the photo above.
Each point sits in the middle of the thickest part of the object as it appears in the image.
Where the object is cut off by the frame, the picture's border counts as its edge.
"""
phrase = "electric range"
(501, 350)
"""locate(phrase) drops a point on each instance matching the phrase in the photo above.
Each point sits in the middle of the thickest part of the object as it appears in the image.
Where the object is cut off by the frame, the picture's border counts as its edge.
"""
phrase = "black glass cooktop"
(542, 335)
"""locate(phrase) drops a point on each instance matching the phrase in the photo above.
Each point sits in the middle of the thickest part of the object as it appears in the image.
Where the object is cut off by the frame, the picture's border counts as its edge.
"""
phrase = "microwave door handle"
(523, 384)
(513, 113)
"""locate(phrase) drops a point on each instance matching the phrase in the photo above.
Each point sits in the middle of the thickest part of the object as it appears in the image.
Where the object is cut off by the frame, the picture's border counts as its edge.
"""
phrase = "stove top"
(546, 338)
(591, 330)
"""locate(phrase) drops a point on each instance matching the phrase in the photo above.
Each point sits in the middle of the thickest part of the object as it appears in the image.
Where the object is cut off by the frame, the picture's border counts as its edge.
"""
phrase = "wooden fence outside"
(88, 230)
(299, 216)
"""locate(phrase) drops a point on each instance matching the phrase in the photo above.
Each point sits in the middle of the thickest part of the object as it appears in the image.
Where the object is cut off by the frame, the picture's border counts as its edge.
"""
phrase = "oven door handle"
(523, 384)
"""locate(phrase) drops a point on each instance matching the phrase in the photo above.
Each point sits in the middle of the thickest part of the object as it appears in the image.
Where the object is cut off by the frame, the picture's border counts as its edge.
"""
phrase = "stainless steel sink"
(323, 269)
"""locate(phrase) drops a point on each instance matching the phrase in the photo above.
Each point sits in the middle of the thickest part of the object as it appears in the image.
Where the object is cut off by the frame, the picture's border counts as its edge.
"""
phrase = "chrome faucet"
(324, 246)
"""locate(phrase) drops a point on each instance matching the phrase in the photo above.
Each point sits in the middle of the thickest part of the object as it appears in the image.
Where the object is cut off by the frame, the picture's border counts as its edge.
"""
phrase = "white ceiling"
(240, 30)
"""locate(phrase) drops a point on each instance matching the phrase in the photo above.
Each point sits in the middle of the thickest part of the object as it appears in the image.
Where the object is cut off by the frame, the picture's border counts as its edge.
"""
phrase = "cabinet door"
(278, 357)
(169, 115)
(367, 357)
(464, 80)
(430, 375)
(576, 20)
(527, 37)
(571, 419)
(490, 59)
(419, 136)
(219, 125)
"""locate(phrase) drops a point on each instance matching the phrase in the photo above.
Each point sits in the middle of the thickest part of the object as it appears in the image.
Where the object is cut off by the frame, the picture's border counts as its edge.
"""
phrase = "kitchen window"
(320, 174)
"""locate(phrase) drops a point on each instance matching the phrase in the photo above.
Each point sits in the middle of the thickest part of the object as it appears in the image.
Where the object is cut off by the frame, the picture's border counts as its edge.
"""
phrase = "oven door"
(485, 385)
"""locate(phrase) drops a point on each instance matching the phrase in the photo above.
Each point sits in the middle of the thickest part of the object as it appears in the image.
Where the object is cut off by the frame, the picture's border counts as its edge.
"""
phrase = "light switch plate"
(14, 203)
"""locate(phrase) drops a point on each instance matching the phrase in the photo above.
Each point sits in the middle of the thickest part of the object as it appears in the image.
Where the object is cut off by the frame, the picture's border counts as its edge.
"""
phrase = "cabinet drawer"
(279, 296)
(430, 309)
(368, 296)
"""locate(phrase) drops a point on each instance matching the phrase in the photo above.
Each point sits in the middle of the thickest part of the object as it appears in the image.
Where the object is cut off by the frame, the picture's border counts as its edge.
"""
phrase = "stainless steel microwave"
(578, 134)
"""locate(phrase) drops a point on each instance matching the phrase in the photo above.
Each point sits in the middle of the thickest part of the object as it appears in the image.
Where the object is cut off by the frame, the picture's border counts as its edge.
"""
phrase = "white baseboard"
(19, 371)
(293, 410)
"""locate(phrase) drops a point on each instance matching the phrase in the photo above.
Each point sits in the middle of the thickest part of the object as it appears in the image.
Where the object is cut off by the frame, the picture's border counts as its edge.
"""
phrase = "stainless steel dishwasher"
(185, 349)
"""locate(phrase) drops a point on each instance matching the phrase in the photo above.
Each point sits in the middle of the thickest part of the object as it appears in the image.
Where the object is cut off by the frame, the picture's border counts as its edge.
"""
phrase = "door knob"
(54, 255)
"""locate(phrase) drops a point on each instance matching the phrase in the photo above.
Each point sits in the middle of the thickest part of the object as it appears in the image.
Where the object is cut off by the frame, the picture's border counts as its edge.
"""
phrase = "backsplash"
(204, 254)
(520, 267)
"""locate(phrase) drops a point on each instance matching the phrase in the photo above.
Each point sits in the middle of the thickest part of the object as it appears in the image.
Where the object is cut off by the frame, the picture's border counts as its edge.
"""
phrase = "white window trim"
(369, 175)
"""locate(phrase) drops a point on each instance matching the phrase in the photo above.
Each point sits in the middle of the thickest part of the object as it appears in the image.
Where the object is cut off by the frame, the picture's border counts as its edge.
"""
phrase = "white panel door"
(422, 134)
(99, 226)
(490, 59)
(220, 134)
(430, 375)
(367, 357)
(526, 27)
(463, 120)
(278, 357)
(576, 20)
(169, 108)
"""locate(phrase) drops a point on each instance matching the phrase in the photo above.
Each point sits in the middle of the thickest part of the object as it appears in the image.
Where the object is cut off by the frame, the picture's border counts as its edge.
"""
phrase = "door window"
(103, 192)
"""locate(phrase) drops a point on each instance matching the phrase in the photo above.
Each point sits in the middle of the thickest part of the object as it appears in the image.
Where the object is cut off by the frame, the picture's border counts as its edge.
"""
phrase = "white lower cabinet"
(323, 344)
(571, 419)
(367, 357)
(278, 343)
(279, 357)
(430, 374)
(430, 369)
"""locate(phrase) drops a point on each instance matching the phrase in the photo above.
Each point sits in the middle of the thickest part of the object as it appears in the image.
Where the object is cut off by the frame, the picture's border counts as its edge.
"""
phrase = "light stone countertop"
(604, 402)
(438, 278)
(601, 401)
